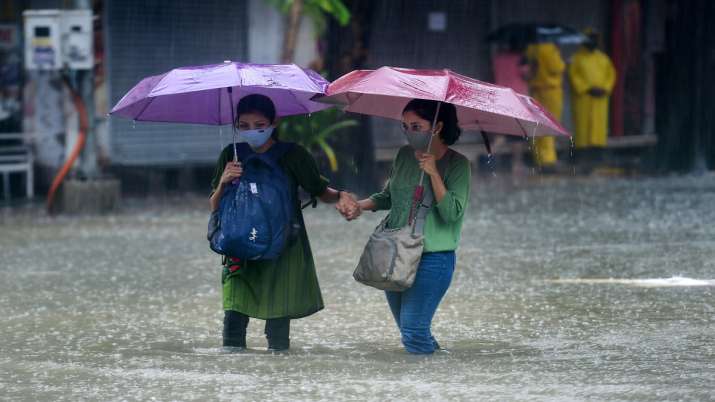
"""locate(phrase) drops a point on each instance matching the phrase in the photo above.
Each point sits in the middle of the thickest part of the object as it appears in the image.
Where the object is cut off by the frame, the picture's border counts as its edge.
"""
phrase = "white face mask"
(256, 138)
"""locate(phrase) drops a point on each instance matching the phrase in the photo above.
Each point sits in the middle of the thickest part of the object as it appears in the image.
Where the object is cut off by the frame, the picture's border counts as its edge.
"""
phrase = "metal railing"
(16, 158)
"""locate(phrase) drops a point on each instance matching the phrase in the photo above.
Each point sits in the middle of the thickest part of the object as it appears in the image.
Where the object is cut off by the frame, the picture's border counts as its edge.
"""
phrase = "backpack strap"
(243, 150)
(279, 149)
(272, 156)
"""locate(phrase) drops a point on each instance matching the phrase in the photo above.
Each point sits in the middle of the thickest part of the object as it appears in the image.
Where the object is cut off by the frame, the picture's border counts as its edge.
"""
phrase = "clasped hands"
(351, 209)
(348, 206)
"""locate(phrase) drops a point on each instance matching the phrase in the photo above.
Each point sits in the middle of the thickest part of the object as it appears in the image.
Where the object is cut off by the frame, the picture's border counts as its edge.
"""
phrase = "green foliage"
(317, 10)
(314, 131)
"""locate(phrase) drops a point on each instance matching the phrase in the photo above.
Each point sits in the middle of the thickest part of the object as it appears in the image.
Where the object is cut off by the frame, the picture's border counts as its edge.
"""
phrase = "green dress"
(286, 287)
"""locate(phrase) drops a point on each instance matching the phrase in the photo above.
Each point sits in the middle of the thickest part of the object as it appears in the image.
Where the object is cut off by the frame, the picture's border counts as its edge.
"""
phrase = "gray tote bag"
(392, 256)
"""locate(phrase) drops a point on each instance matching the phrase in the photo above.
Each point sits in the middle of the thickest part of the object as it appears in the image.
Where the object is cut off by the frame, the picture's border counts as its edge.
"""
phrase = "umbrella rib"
(446, 89)
(144, 108)
(299, 102)
(219, 108)
(359, 96)
(526, 135)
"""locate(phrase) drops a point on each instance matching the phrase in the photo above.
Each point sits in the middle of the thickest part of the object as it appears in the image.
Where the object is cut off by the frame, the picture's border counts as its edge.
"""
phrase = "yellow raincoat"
(590, 69)
(546, 87)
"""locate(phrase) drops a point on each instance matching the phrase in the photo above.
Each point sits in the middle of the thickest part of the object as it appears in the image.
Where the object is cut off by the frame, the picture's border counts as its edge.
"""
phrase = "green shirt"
(443, 227)
(288, 286)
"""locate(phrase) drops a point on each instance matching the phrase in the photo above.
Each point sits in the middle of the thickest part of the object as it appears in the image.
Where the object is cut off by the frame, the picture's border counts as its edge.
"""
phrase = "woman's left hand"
(428, 164)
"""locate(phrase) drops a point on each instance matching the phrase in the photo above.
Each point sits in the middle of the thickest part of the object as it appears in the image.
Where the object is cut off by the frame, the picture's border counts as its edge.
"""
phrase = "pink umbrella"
(480, 106)
(542, 113)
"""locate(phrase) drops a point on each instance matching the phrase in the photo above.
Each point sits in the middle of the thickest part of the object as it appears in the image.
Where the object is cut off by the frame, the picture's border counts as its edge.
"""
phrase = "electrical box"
(42, 40)
(55, 39)
(77, 39)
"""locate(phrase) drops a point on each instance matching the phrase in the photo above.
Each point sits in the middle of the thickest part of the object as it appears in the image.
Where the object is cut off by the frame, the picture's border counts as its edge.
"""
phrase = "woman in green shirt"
(414, 308)
(285, 288)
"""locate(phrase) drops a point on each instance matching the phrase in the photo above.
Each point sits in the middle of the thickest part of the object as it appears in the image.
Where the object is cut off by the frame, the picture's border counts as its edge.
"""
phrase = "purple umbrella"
(207, 94)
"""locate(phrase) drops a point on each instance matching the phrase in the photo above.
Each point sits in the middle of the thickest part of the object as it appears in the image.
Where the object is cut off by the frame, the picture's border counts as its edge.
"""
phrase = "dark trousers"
(234, 331)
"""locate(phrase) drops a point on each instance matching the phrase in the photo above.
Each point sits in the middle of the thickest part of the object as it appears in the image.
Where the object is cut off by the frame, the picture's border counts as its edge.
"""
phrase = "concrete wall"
(266, 28)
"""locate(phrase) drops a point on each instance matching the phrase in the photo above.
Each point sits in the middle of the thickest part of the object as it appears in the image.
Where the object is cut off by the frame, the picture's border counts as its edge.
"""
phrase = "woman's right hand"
(231, 172)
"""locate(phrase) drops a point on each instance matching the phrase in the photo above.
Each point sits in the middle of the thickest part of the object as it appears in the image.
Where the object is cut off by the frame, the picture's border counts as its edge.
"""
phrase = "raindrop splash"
(220, 136)
(573, 159)
(163, 334)
(491, 164)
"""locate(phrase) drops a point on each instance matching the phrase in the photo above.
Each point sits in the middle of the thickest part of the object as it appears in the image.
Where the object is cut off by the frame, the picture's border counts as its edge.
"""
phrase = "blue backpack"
(256, 218)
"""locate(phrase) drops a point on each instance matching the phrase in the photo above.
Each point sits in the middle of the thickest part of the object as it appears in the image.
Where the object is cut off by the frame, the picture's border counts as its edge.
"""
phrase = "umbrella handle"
(419, 190)
(416, 200)
(233, 123)
(429, 145)
(487, 144)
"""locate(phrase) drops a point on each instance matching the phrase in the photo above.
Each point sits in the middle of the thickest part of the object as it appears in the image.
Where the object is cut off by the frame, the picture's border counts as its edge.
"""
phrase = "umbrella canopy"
(521, 34)
(541, 112)
(206, 94)
(480, 106)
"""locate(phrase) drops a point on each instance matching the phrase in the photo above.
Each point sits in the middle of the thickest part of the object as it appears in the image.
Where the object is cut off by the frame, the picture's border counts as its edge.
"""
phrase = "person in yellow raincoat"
(545, 85)
(592, 78)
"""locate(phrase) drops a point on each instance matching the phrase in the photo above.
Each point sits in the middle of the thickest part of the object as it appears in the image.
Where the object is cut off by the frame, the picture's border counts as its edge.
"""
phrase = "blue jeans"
(414, 308)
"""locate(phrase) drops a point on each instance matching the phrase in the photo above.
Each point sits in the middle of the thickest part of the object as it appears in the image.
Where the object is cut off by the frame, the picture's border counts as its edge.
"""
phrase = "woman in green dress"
(285, 288)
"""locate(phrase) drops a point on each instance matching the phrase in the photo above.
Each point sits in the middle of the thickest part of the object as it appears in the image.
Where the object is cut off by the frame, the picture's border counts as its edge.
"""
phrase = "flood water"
(565, 289)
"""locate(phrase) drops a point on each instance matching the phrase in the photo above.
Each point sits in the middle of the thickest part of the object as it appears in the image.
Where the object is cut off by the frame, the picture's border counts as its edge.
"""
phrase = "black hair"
(426, 109)
(257, 103)
(516, 44)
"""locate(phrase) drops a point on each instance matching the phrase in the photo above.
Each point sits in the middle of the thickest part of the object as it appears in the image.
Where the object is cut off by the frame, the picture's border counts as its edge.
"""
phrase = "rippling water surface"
(564, 290)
